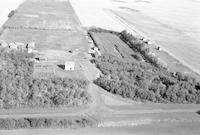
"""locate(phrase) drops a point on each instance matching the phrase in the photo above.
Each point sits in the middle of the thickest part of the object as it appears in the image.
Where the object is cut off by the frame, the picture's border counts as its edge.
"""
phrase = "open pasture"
(110, 43)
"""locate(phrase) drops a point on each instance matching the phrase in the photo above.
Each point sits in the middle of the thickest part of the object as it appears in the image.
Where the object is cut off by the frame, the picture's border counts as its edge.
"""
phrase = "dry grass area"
(111, 43)
(114, 100)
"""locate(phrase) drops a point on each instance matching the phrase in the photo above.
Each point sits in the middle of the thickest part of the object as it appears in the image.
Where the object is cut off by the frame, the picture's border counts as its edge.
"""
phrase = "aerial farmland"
(58, 77)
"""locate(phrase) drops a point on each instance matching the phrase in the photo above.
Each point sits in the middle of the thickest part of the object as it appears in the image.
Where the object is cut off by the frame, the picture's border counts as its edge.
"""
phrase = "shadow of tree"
(198, 112)
(61, 66)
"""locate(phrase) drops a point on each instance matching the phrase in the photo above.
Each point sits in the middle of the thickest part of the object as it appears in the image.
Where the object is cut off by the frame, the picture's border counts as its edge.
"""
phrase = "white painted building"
(69, 65)
(20, 46)
(13, 46)
(30, 46)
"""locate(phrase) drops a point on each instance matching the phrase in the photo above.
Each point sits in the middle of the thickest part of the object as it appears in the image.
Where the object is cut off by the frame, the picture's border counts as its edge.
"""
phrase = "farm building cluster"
(29, 47)
(43, 66)
(93, 50)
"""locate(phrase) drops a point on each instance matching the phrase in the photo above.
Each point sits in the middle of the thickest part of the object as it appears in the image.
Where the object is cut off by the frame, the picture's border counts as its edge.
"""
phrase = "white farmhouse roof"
(69, 65)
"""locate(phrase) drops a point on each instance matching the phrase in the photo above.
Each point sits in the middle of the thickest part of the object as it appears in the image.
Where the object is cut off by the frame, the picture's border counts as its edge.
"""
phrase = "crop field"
(43, 15)
(110, 43)
(47, 39)
(56, 31)
(46, 23)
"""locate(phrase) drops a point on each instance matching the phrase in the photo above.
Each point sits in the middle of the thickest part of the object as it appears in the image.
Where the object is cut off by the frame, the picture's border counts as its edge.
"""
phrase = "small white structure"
(30, 50)
(3, 44)
(149, 43)
(20, 46)
(13, 46)
(158, 48)
(91, 51)
(30, 46)
(69, 65)
(96, 49)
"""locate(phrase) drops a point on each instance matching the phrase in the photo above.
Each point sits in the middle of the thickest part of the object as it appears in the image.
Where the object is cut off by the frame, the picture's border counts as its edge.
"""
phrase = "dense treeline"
(12, 12)
(32, 123)
(142, 81)
(96, 29)
(139, 46)
(18, 88)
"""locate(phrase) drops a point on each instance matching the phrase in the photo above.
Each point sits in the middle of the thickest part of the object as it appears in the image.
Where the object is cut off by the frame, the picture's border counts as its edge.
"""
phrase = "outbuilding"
(13, 46)
(30, 46)
(20, 46)
(69, 65)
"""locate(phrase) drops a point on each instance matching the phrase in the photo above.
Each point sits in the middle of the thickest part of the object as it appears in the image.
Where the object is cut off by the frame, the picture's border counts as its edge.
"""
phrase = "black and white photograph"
(99, 67)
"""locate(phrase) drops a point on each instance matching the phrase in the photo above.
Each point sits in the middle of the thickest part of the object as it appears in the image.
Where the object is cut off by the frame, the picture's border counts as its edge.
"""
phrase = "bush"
(139, 46)
(139, 81)
(12, 12)
(143, 80)
(24, 123)
(18, 88)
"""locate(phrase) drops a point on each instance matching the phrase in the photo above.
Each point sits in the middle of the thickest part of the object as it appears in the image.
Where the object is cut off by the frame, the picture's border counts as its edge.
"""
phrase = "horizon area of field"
(179, 37)
(172, 24)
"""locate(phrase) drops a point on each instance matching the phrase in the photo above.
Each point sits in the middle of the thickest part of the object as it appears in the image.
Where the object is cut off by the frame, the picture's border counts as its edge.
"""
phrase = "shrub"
(9, 123)
(18, 88)
(12, 12)
(138, 81)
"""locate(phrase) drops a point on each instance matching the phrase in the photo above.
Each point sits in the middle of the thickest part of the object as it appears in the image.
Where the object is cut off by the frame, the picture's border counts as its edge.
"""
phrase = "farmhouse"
(69, 65)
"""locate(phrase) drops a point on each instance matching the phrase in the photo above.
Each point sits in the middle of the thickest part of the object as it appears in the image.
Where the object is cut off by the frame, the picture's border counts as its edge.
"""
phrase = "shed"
(31, 45)
(13, 46)
(69, 65)
(20, 46)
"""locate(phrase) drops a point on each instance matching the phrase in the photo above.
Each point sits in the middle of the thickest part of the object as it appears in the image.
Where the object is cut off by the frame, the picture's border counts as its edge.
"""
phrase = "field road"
(156, 129)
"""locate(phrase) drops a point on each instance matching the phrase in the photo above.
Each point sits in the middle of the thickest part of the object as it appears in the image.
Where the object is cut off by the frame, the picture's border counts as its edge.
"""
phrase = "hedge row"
(32, 123)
